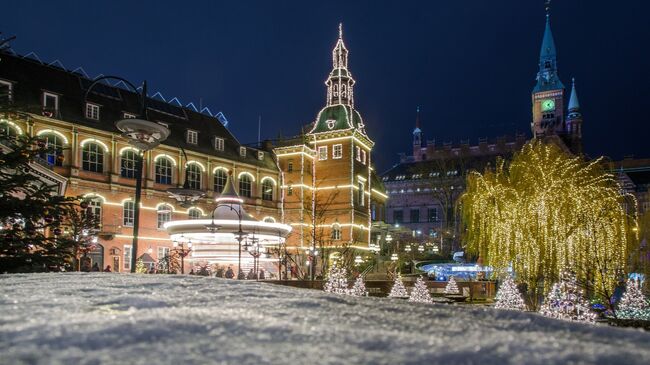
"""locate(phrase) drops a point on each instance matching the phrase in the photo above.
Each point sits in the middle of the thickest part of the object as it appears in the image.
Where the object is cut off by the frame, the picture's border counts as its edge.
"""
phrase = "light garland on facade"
(57, 133)
(94, 140)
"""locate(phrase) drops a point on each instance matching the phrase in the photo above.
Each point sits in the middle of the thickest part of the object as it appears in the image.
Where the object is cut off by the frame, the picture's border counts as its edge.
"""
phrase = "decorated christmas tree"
(508, 296)
(337, 281)
(566, 301)
(420, 292)
(398, 290)
(359, 288)
(633, 304)
(452, 287)
(140, 267)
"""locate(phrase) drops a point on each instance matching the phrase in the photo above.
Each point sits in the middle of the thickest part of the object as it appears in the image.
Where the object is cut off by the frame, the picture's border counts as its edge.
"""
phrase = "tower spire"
(417, 117)
(547, 76)
(340, 84)
(574, 105)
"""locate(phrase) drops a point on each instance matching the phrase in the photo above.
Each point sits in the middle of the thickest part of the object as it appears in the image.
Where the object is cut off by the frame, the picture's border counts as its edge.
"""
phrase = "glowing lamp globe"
(142, 134)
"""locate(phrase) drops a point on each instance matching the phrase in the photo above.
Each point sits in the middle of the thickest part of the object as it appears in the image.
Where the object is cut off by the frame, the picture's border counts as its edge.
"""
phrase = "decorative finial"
(547, 7)
(573, 81)
(340, 30)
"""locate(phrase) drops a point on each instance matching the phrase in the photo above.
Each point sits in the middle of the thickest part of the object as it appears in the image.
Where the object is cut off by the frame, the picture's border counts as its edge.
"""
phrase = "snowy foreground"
(159, 319)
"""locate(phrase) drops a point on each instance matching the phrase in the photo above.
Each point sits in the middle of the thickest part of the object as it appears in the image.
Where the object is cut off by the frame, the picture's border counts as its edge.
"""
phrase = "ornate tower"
(574, 121)
(417, 135)
(548, 93)
(340, 84)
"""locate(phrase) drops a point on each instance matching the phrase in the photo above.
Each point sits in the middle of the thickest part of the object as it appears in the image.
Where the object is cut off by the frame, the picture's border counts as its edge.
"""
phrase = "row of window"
(414, 215)
(419, 176)
(337, 153)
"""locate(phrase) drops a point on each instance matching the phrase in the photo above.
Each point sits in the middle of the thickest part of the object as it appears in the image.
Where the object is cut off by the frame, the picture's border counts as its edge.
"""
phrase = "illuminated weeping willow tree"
(548, 211)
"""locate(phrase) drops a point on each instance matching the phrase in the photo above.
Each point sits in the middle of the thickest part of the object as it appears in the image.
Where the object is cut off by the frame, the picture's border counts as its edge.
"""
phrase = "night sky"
(469, 65)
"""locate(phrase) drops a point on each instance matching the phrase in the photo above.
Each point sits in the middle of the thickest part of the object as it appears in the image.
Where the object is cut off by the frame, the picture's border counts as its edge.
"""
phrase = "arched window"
(54, 149)
(194, 176)
(220, 176)
(194, 213)
(127, 163)
(163, 171)
(128, 211)
(7, 129)
(343, 92)
(269, 220)
(267, 189)
(245, 186)
(336, 231)
(92, 157)
(164, 214)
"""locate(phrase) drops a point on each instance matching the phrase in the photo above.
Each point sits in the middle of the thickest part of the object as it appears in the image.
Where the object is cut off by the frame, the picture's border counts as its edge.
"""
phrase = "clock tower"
(548, 93)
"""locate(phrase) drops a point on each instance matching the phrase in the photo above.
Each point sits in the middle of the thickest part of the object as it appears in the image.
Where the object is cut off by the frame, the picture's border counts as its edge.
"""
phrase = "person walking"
(108, 268)
(229, 273)
(261, 274)
(95, 267)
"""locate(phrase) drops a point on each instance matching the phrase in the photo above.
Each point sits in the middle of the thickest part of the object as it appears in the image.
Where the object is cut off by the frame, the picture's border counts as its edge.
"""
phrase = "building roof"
(337, 117)
(547, 77)
(31, 78)
(574, 104)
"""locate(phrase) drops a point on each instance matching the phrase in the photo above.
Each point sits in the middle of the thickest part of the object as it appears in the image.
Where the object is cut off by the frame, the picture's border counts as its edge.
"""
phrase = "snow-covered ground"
(158, 319)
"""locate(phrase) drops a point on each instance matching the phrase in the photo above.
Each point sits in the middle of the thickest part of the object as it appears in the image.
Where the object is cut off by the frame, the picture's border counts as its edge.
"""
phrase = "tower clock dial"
(548, 105)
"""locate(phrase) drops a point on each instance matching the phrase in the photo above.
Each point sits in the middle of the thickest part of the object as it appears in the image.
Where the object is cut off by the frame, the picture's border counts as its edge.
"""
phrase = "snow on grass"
(96, 318)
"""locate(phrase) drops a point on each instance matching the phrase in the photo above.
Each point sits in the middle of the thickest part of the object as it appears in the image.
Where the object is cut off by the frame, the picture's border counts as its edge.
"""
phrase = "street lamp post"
(312, 255)
(143, 135)
(179, 247)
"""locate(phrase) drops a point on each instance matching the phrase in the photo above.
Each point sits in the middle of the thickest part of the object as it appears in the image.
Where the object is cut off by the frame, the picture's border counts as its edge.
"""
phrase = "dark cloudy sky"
(469, 64)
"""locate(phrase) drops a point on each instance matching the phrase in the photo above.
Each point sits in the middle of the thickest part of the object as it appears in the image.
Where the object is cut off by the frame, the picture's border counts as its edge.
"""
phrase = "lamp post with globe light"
(183, 252)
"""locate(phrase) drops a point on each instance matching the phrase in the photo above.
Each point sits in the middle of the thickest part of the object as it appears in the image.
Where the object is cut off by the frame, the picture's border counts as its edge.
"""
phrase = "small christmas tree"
(420, 292)
(359, 288)
(566, 301)
(140, 267)
(337, 281)
(633, 305)
(452, 287)
(508, 296)
(398, 290)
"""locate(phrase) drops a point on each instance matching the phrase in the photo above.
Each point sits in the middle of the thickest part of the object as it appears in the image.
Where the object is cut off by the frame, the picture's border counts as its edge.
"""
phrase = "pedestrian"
(192, 272)
(152, 270)
(251, 275)
(261, 274)
(95, 267)
(107, 268)
(220, 272)
(229, 273)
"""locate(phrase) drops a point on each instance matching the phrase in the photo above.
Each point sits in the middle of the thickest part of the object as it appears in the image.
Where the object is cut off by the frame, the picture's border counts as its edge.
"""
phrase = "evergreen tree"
(452, 287)
(566, 301)
(420, 292)
(359, 288)
(398, 290)
(633, 304)
(140, 267)
(337, 281)
(508, 296)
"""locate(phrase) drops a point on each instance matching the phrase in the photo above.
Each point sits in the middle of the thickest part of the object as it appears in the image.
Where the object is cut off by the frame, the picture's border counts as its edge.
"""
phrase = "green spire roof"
(548, 44)
(574, 105)
(547, 77)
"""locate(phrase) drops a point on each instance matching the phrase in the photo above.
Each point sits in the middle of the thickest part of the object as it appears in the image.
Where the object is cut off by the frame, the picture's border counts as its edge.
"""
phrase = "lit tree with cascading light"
(547, 210)
(337, 280)
(566, 301)
(359, 288)
(452, 287)
(420, 292)
(398, 290)
(633, 304)
(508, 296)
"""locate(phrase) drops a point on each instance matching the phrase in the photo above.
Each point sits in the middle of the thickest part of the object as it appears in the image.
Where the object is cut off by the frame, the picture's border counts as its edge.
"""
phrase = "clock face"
(548, 105)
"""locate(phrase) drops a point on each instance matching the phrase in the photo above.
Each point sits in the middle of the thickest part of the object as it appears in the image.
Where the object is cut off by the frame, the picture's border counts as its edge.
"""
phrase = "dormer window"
(260, 155)
(50, 104)
(192, 137)
(92, 111)
(218, 143)
(242, 151)
(6, 91)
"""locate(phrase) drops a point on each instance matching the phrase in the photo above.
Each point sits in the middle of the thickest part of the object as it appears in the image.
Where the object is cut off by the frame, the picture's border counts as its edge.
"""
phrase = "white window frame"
(125, 223)
(127, 253)
(56, 100)
(219, 143)
(362, 194)
(10, 88)
(358, 153)
(92, 111)
(363, 157)
(337, 151)
(322, 153)
(242, 151)
(162, 251)
(260, 155)
(192, 137)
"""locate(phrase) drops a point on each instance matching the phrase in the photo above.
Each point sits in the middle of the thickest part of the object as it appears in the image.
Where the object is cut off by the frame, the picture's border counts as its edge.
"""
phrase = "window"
(322, 153)
(163, 170)
(432, 214)
(128, 211)
(92, 157)
(336, 231)
(127, 164)
(337, 151)
(95, 206)
(92, 111)
(267, 190)
(290, 166)
(193, 176)
(289, 190)
(7, 129)
(398, 216)
(164, 215)
(242, 151)
(358, 153)
(245, 185)
(54, 149)
(192, 137)
(415, 215)
(162, 252)
(50, 103)
(220, 177)
(363, 157)
(268, 220)
(194, 213)
(218, 143)
(260, 155)
(129, 116)
(6, 91)
(127, 257)
(362, 200)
